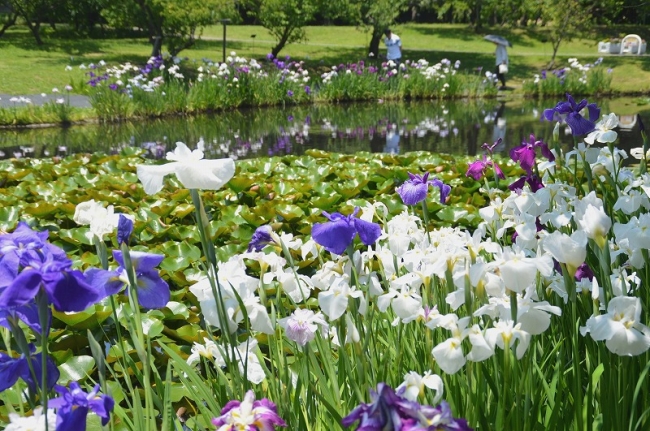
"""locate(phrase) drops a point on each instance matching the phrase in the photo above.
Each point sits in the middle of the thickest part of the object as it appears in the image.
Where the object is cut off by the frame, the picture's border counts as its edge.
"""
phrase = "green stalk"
(141, 346)
(43, 318)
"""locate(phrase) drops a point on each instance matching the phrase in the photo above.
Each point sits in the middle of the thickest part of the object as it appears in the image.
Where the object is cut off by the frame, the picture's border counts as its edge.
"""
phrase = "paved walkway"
(37, 99)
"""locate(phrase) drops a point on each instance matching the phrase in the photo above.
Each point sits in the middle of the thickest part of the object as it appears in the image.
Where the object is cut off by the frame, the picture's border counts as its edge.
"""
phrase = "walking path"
(76, 100)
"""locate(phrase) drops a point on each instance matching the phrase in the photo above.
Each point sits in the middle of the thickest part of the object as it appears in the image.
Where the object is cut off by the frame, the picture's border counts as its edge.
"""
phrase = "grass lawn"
(29, 69)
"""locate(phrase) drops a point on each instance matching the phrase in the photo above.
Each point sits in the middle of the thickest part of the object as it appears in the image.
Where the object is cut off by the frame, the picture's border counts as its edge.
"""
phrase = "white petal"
(205, 174)
(449, 356)
(152, 176)
(628, 342)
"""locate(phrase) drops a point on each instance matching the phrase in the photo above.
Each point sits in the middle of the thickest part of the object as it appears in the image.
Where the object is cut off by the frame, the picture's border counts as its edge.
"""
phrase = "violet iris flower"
(477, 169)
(261, 237)
(534, 182)
(337, 234)
(569, 112)
(414, 190)
(11, 369)
(390, 411)
(73, 406)
(28, 314)
(437, 418)
(153, 291)
(249, 414)
(386, 411)
(124, 229)
(29, 264)
(525, 153)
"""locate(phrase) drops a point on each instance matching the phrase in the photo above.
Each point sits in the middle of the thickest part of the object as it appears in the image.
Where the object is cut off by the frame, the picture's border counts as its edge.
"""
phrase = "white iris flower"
(191, 169)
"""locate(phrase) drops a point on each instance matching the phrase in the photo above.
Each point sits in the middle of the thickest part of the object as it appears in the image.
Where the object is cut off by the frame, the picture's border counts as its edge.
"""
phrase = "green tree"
(175, 23)
(569, 19)
(284, 19)
(376, 16)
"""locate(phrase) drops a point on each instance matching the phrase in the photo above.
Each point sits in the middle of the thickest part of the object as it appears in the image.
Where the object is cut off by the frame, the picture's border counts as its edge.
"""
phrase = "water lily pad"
(75, 369)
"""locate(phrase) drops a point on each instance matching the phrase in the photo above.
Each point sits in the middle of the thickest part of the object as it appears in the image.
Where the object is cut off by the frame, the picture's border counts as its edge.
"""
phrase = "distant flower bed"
(174, 86)
(576, 79)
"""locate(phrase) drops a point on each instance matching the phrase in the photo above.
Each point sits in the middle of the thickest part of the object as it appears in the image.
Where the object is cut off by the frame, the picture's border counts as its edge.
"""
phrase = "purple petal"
(413, 193)
(10, 370)
(579, 125)
(70, 292)
(369, 232)
(594, 112)
(107, 283)
(334, 236)
(153, 291)
(476, 169)
(22, 290)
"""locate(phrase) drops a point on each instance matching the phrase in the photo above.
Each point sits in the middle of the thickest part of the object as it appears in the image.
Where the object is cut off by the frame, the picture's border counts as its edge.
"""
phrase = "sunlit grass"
(29, 69)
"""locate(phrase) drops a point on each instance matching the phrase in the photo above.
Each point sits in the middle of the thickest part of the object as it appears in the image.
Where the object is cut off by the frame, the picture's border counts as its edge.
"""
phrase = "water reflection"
(458, 128)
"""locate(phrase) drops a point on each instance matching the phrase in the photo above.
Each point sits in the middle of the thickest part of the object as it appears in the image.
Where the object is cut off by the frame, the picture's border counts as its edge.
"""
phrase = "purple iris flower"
(255, 415)
(261, 237)
(307, 90)
(414, 190)
(386, 411)
(29, 265)
(28, 314)
(337, 234)
(437, 418)
(477, 169)
(73, 406)
(124, 229)
(11, 369)
(569, 112)
(289, 93)
(534, 182)
(525, 153)
(153, 291)
(584, 271)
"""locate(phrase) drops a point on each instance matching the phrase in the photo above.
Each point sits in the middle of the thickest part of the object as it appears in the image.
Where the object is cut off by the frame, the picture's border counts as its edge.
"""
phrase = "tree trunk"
(35, 29)
(283, 41)
(374, 42)
(154, 28)
(478, 23)
(8, 24)
(556, 47)
(156, 46)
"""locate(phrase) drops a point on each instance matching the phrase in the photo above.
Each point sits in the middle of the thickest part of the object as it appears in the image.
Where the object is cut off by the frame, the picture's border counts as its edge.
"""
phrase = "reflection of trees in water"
(459, 127)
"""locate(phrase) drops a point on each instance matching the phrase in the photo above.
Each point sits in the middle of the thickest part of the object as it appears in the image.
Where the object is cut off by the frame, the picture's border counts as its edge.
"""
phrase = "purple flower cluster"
(339, 232)
(249, 414)
(415, 189)
(30, 265)
(389, 410)
(74, 404)
(570, 112)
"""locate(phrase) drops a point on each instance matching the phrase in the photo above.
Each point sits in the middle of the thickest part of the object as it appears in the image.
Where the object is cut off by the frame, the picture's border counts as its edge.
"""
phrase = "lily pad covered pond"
(452, 127)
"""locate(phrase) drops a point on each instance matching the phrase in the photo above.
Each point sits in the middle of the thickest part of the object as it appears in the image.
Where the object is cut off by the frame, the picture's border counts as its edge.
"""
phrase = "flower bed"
(512, 286)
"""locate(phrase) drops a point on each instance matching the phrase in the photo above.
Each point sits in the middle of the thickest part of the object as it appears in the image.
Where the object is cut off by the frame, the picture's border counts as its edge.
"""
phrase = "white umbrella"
(497, 39)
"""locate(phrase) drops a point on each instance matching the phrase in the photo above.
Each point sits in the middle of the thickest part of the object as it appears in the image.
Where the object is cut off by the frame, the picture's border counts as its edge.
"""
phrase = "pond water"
(453, 127)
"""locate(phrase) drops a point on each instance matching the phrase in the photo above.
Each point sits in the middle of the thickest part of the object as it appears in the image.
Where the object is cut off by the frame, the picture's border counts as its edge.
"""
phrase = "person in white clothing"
(502, 59)
(393, 46)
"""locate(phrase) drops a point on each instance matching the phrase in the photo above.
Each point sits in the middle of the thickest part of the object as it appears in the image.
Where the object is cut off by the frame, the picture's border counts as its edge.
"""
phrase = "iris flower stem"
(141, 350)
(212, 270)
(102, 252)
(23, 347)
(577, 371)
(513, 307)
(43, 317)
(643, 166)
(425, 214)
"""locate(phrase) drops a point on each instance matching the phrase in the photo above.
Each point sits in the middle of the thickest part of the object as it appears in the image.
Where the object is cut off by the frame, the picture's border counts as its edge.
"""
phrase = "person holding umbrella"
(501, 57)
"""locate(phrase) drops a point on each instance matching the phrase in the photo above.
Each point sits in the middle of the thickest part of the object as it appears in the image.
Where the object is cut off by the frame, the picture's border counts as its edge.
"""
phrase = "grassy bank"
(29, 69)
